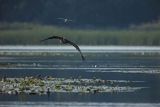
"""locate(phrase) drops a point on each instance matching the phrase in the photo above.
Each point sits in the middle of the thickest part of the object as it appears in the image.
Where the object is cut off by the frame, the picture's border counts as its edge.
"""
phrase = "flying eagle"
(65, 41)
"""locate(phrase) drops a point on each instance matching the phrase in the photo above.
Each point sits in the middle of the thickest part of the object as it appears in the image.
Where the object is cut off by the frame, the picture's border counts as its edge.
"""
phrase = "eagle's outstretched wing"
(66, 41)
(76, 46)
(52, 37)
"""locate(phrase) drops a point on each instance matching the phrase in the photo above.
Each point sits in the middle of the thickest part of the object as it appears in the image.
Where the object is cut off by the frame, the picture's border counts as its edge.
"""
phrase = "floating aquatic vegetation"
(45, 85)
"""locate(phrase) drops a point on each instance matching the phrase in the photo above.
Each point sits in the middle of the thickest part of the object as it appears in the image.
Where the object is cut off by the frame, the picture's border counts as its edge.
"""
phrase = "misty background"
(90, 14)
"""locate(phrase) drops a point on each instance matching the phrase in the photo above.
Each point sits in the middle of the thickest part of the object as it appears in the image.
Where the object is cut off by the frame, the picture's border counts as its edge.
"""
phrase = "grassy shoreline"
(31, 34)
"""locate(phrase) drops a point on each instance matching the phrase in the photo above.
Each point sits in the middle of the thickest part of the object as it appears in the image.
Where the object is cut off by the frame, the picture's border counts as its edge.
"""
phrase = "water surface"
(138, 65)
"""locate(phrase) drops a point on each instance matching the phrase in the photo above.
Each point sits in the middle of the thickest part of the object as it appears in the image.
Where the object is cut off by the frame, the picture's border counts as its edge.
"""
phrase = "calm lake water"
(139, 65)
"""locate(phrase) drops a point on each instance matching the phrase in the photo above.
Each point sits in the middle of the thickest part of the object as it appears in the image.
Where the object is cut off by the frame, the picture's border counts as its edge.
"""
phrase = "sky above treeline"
(93, 13)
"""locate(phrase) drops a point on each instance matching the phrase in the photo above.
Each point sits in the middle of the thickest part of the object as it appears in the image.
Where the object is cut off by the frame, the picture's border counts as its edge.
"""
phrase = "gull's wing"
(52, 37)
(61, 18)
(70, 20)
(77, 48)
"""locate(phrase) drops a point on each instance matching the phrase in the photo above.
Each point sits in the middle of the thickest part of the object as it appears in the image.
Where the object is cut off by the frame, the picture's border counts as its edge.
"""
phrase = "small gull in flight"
(65, 20)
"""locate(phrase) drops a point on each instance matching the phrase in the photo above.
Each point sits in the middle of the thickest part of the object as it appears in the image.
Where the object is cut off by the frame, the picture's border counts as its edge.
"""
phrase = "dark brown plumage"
(65, 41)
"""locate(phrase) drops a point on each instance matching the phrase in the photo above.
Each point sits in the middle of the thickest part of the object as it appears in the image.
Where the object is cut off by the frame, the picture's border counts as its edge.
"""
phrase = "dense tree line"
(84, 12)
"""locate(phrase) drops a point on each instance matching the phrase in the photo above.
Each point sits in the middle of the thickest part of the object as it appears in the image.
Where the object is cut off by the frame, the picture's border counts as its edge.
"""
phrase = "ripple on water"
(75, 104)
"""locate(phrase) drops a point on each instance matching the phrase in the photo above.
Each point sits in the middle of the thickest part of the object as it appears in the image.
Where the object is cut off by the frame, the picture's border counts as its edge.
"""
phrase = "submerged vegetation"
(31, 34)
